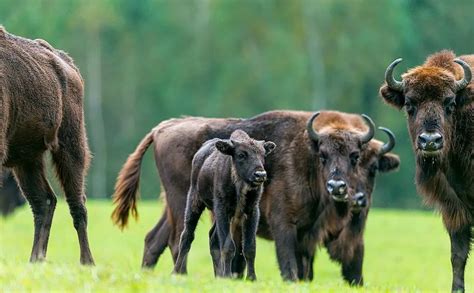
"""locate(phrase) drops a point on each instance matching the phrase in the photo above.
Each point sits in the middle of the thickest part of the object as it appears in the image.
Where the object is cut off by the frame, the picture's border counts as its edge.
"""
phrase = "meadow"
(405, 251)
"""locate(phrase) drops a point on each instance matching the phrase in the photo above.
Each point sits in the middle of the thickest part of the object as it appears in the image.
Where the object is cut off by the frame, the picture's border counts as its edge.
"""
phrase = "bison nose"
(336, 187)
(359, 200)
(260, 176)
(430, 141)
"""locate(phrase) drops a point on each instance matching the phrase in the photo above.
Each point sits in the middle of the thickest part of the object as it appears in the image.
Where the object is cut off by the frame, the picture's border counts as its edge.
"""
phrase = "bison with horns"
(305, 200)
(438, 98)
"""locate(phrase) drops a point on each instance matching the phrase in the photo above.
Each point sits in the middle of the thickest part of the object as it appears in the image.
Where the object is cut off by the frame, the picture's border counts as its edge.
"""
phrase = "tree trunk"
(315, 56)
(94, 111)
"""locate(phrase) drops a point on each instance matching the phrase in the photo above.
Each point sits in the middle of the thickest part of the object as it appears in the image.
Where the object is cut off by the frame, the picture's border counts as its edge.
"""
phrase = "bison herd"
(302, 179)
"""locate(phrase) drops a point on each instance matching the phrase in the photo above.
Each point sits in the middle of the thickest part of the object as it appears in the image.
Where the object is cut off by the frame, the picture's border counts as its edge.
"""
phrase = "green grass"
(405, 251)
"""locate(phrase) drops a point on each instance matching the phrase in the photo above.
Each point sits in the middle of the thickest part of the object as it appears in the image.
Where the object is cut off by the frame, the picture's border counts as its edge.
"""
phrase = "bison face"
(338, 151)
(374, 158)
(338, 154)
(430, 95)
(248, 156)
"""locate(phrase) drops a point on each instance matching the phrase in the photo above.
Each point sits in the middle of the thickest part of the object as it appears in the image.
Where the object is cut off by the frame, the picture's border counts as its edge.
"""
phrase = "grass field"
(405, 251)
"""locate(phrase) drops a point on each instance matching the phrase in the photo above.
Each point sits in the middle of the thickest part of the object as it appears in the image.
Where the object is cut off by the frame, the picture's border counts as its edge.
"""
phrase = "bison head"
(431, 95)
(248, 156)
(375, 158)
(338, 151)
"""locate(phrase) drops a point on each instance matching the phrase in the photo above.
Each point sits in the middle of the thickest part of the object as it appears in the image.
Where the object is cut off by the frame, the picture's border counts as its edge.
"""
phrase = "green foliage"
(162, 59)
(400, 256)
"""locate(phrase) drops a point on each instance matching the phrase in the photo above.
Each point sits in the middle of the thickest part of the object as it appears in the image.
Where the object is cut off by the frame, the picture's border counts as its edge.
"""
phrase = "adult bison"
(10, 194)
(305, 169)
(347, 246)
(438, 98)
(41, 93)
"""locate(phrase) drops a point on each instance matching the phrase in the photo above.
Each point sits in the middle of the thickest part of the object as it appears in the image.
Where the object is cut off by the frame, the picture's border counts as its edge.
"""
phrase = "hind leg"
(155, 242)
(32, 181)
(194, 209)
(71, 158)
(176, 197)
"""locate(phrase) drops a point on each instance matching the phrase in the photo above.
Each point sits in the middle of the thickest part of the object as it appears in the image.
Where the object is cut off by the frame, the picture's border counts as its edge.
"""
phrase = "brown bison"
(227, 177)
(439, 101)
(347, 246)
(10, 194)
(41, 93)
(305, 198)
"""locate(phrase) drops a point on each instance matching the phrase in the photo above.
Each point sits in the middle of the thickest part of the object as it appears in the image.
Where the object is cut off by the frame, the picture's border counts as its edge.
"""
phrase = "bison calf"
(227, 177)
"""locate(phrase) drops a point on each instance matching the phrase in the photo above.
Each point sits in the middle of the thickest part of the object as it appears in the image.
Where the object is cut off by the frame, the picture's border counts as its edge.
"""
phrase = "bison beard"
(438, 98)
(292, 190)
(41, 93)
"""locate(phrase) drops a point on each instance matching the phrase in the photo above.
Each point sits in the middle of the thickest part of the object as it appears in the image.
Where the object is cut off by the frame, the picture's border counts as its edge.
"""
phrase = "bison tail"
(126, 188)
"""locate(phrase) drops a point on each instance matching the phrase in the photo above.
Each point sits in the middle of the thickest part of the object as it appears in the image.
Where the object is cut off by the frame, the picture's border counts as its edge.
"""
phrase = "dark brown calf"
(41, 93)
(438, 98)
(227, 177)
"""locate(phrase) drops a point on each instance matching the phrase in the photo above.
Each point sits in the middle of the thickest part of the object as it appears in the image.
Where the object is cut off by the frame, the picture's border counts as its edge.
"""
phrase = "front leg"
(305, 258)
(226, 244)
(352, 268)
(285, 241)
(460, 246)
(249, 232)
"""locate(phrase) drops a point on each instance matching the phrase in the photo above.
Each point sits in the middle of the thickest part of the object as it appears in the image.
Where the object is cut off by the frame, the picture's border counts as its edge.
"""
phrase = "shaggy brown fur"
(444, 177)
(295, 190)
(41, 95)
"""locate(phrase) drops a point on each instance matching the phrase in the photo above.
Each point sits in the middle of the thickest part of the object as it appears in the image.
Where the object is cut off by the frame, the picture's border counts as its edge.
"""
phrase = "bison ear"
(465, 96)
(225, 146)
(269, 147)
(392, 97)
(388, 162)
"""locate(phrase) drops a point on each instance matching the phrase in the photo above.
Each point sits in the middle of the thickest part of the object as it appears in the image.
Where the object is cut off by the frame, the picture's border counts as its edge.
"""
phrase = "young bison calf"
(227, 177)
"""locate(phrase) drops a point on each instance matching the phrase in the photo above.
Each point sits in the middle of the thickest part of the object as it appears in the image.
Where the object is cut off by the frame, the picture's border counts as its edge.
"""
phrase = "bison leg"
(226, 244)
(32, 181)
(249, 232)
(285, 241)
(460, 246)
(176, 198)
(156, 242)
(305, 262)
(71, 159)
(194, 209)
(214, 248)
(352, 268)
(238, 262)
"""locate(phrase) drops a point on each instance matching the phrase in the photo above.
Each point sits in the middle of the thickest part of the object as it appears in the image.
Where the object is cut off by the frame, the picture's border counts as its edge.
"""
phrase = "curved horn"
(461, 84)
(370, 134)
(388, 146)
(390, 80)
(313, 135)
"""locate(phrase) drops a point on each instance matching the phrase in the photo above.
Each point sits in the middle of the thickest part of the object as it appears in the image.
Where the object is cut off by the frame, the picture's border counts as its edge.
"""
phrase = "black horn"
(388, 146)
(313, 135)
(370, 133)
(461, 84)
(390, 80)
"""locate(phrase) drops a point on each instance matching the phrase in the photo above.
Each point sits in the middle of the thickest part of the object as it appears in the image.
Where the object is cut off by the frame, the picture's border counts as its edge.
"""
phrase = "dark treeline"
(146, 61)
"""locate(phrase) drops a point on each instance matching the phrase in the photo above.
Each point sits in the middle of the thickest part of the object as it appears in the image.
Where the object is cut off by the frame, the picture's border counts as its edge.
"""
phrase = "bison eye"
(410, 108)
(323, 158)
(450, 105)
(241, 156)
(354, 158)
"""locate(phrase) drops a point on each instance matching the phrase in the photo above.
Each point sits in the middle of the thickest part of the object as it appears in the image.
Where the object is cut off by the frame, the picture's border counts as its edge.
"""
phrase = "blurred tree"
(145, 61)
